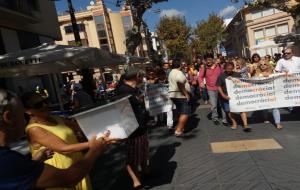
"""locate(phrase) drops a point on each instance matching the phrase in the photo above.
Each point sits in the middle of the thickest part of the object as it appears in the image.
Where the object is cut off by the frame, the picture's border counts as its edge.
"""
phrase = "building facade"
(26, 24)
(100, 27)
(253, 31)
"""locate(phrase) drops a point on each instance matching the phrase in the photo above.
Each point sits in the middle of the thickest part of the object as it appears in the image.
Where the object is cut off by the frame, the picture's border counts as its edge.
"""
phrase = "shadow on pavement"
(163, 169)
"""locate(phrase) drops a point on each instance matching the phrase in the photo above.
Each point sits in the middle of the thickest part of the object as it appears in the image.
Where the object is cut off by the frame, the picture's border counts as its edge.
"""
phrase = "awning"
(47, 59)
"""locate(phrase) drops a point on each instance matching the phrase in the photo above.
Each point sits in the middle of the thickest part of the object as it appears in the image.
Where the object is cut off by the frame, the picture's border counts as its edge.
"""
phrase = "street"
(188, 162)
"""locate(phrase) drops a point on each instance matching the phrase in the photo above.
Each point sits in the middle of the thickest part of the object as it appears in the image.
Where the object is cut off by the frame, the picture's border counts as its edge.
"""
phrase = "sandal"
(234, 127)
(279, 127)
(178, 134)
(246, 128)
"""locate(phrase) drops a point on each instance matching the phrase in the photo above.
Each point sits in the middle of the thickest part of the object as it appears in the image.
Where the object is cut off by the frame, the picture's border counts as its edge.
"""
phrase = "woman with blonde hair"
(265, 69)
(241, 67)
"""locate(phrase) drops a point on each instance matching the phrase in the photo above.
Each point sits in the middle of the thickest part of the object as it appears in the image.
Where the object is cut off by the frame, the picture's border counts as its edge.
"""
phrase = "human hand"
(43, 155)
(202, 85)
(226, 97)
(187, 96)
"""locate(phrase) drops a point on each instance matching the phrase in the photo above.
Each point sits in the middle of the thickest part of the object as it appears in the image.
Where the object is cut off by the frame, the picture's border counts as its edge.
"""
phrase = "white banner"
(276, 91)
(157, 99)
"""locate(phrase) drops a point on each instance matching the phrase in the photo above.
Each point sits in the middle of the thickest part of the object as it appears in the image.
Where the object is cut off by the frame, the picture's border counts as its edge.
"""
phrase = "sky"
(192, 10)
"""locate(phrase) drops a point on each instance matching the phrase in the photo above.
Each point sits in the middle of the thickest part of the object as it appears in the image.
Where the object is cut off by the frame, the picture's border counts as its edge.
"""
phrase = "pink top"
(211, 77)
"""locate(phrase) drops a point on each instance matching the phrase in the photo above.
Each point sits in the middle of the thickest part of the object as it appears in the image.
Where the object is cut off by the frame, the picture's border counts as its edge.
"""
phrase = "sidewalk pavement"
(189, 163)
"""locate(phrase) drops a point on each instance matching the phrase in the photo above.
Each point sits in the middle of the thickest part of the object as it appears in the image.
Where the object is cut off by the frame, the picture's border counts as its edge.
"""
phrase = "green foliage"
(175, 32)
(207, 34)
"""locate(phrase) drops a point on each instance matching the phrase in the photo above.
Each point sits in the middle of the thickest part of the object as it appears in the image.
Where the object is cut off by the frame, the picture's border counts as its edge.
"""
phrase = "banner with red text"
(276, 91)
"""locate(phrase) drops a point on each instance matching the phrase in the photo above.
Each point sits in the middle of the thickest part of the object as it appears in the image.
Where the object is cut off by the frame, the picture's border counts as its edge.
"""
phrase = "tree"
(175, 32)
(208, 34)
(138, 8)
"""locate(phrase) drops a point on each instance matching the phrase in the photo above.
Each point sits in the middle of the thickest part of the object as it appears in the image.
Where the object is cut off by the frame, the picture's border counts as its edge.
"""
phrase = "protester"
(162, 79)
(137, 143)
(241, 67)
(56, 133)
(179, 89)
(265, 69)
(80, 97)
(254, 62)
(20, 172)
(166, 68)
(202, 88)
(289, 63)
(210, 73)
(269, 59)
(221, 84)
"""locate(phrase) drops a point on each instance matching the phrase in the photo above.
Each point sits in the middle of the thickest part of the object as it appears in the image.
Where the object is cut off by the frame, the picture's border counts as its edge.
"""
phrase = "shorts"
(225, 105)
(183, 106)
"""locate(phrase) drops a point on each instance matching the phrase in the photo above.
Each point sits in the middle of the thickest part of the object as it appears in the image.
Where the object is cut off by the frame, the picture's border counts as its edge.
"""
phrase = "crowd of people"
(57, 143)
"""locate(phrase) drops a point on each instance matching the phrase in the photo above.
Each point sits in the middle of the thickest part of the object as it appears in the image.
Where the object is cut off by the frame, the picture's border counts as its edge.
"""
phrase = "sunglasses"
(288, 53)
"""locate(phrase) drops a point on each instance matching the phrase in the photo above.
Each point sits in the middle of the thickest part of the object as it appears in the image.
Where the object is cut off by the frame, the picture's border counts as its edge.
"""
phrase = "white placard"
(276, 91)
(117, 117)
(157, 99)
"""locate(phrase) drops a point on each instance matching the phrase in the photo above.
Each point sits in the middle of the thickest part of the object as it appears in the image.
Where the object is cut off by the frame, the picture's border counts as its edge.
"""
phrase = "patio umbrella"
(47, 59)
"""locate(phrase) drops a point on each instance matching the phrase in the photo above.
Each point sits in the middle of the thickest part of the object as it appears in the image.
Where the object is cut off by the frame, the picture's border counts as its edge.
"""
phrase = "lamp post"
(74, 24)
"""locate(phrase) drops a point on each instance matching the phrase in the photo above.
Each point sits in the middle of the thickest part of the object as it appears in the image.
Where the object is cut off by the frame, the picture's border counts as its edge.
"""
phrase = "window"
(69, 28)
(99, 19)
(283, 29)
(256, 15)
(103, 41)
(259, 34)
(261, 52)
(101, 34)
(270, 31)
(126, 21)
(100, 27)
(28, 40)
(268, 12)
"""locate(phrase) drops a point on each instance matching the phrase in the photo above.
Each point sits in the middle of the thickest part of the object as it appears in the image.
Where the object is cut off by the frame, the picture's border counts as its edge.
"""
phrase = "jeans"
(214, 102)
(275, 113)
(204, 95)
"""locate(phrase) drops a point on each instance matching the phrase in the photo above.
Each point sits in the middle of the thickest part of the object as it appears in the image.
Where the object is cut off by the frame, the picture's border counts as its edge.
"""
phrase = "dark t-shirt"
(221, 81)
(83, 98)
(138, 108)
(17, 172)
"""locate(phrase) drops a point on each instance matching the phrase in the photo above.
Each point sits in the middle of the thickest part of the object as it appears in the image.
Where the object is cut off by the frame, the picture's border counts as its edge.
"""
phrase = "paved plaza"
(188, 163)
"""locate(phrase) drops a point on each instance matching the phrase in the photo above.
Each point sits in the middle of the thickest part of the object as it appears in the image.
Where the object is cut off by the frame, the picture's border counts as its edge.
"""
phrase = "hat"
(131, 73)
(30, 99)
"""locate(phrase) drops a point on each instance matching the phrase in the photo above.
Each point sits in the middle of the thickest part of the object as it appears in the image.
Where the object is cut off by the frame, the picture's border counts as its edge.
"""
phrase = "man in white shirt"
(289, 63)
(179, 89)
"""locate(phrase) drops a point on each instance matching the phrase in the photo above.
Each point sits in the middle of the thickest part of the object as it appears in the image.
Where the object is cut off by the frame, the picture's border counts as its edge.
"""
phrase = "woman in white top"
(265, 69)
